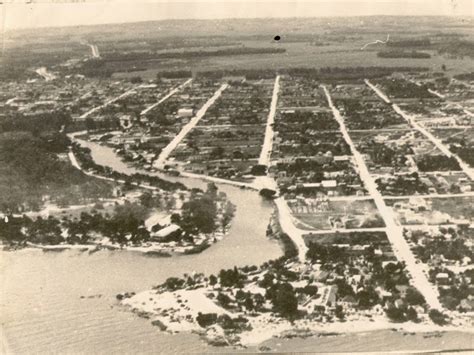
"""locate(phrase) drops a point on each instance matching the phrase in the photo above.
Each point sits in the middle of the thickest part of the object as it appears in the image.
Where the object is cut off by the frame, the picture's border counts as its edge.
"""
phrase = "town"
(368, 171)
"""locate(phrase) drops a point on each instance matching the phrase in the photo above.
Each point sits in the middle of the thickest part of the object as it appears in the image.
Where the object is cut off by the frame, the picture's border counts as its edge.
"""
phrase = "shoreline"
(92, 248)
(264, 329)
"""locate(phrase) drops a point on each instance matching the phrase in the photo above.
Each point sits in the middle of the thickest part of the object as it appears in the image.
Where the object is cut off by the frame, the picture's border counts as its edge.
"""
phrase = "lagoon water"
(64, 302)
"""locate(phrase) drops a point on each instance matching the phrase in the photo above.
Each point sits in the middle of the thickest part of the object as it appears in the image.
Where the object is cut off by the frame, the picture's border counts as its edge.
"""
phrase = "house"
(165, 232)
(185, 112)
(329, 183)
(442, 278)
(383, 294)
(467, 304)
(399, 303)
(321, 276)
(402, 289)
(348, 301)
(330, 300)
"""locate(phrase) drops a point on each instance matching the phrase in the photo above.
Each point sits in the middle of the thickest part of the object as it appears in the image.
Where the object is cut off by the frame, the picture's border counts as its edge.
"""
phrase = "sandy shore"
(178, 311)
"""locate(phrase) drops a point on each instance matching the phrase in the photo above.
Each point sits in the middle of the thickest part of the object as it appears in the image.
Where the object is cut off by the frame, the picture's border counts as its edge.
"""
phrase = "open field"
(337, 214)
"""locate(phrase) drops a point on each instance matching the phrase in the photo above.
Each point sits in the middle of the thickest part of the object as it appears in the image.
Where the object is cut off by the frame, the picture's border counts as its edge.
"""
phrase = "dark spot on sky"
(276, 38)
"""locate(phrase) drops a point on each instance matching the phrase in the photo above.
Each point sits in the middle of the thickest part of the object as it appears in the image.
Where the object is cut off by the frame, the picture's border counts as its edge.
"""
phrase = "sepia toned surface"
(237, 177)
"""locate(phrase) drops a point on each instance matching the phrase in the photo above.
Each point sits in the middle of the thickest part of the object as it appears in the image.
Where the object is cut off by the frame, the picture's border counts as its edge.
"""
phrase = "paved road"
(377, 91)
(95, 51)
(393, 230)
(465, 194)
(171, 93)
(288, 227)
(160, 162)
(268, 141)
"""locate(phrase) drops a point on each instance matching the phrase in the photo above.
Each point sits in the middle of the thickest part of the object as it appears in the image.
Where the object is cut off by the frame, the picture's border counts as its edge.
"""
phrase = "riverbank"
(151, 250)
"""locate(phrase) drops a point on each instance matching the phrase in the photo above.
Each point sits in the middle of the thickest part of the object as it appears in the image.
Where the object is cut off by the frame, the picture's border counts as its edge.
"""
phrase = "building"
(185, 112)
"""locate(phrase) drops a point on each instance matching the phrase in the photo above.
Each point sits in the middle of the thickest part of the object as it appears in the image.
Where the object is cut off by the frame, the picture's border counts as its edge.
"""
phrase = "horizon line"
(6, 31)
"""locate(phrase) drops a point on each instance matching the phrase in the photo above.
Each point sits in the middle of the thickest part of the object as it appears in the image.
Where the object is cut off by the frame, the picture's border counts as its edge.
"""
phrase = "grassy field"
(302, 54)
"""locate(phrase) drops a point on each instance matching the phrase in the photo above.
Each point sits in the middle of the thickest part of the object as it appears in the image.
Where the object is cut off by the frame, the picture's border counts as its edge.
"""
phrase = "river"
(42, 309)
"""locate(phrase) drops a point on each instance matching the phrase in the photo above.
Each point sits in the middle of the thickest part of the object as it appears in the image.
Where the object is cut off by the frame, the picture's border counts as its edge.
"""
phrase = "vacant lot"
(326, 215)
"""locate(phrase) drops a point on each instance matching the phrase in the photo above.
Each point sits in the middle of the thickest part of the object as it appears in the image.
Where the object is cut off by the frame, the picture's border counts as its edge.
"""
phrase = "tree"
(174, 283)
(267, 193)
(267, 281)
(414, 297)
(206, 319)
(198, 215)
(437, 317)
(146, 199)
(249, 303)
(259, 170)
(212, 280)
(395, 314)
(217, 153)
(284, 300)
(412, 315)
(339, 312)
(231, 277)
(258, 301)
(223, 299)
(367, 298)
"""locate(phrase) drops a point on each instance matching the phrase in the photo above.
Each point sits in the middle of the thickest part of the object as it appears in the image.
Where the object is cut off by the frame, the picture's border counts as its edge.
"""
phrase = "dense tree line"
(416, 42)
(123, 227)
(41, 122)
(119, 56)
(403, 54)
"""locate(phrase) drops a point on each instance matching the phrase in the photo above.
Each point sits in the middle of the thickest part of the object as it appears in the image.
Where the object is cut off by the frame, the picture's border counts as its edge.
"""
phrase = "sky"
(16, 14)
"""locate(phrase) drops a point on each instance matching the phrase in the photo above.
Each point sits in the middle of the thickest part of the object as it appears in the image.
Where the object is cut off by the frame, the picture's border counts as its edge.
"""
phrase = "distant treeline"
(409, 43)
(403, 54)
(458, 49)
(348, 73)
(93, 68)
(465, 76)
(250, 74)
(117, 57)
(175, 74)
(328, 73)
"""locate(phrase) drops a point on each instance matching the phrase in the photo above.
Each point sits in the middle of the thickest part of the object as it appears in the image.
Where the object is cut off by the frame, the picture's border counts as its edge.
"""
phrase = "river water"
(41, 305)
(64, 302)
